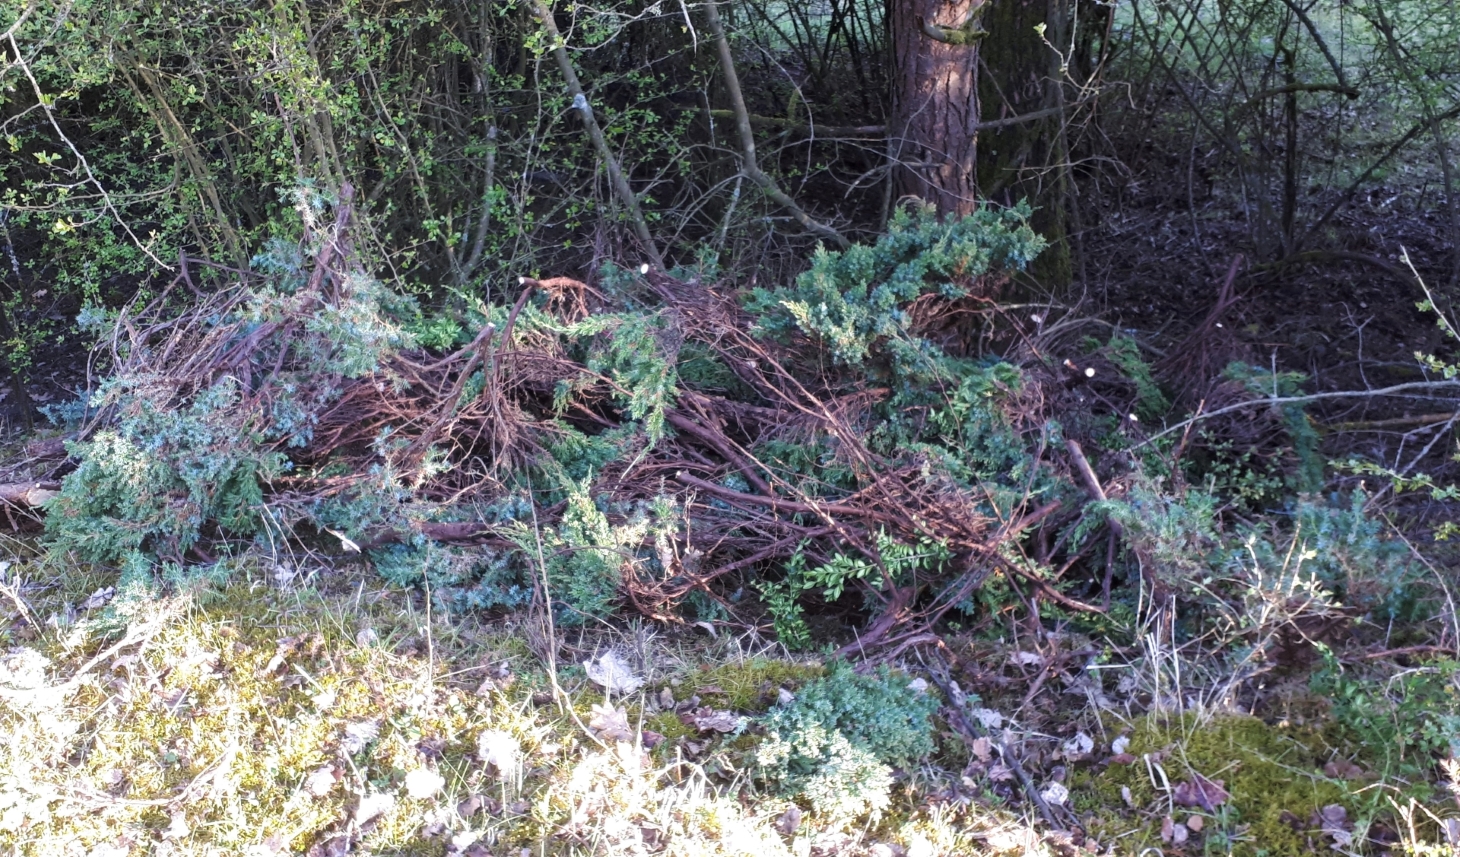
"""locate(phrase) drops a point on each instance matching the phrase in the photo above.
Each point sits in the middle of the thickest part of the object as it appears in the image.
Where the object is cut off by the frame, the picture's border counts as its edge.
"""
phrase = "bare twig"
(621, 187)
(1300, 400)
(747, 137)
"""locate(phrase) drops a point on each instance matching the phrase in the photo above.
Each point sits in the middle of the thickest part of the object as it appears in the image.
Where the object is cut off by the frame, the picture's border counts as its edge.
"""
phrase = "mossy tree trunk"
(1028, 160)
(940, 99)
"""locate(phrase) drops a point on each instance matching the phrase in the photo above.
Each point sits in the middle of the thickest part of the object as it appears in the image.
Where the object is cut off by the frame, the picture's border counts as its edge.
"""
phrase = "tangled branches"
(663, 437)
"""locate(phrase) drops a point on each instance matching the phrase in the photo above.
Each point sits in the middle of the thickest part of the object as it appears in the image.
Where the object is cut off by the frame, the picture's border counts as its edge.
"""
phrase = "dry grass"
(253, 718)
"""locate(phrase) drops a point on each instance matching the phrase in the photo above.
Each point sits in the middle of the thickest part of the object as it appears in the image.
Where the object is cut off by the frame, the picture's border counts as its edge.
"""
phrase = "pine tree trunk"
(1027, 160)
(935, 104)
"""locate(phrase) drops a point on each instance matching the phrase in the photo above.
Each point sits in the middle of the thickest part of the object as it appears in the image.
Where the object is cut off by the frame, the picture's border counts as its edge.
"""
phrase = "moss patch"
(1273, 776)
(752, 685)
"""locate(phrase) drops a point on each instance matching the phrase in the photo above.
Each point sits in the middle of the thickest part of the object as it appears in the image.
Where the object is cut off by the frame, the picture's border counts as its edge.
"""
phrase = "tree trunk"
(933, 137)
(1028, 160)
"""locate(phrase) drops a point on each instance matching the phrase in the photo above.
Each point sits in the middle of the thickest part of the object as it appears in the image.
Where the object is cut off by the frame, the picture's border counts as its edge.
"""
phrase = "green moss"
(752, 685)
(668, 724)
(1273, 775)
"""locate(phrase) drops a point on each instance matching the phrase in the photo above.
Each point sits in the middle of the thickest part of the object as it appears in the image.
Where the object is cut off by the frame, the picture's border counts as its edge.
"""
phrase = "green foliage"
(835, 744)
(160, 476)
(1308, 476)
(1401, 726)
(902, 563)
(637, 352)
(854, 299)
(1319, 558)
(182, 459)
(457, 579)
(595, 544)
(1151, 402)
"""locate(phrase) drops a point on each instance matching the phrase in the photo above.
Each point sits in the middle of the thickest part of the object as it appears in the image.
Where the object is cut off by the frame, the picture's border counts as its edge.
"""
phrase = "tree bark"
(1029, 161)
(933, 135)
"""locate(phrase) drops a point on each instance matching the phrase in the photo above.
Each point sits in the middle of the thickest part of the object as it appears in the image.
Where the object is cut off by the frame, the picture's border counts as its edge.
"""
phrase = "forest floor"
(302, 710)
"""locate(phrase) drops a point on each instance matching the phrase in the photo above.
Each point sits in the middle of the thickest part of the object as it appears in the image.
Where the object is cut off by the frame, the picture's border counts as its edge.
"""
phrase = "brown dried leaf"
(610, 723)
(1200, 791)
(983, 749)
(1343, 769)
(789, 821)
(711, 720)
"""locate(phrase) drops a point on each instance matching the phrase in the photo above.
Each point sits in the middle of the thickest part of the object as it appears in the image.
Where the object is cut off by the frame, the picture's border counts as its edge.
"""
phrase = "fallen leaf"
(335, 846)
(1055, 793)
(610, 672)
(983, 749)
(282, 650)
(1343, 769)
(177, 827)
(1179, 833)
(99, 598)
(1168, 829)
(1120, 745)
(470, 806)
(789, 821)
(610, 723)
(358, 735)
(651, 739)
(666, 698)
(1000, 773)
(988, 718)
(784, 697)
(1079, 746)
(322, 780)
(372, 807)
(1333, 821)
(1122, 759)
(712, 720)
(1200, 791)
(1195, 823)
(346, 543)
(424, 783)
(1026, 659)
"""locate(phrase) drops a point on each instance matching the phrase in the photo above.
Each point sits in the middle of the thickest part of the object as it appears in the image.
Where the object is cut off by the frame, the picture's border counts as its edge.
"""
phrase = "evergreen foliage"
(835, 745)
(856, 301)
